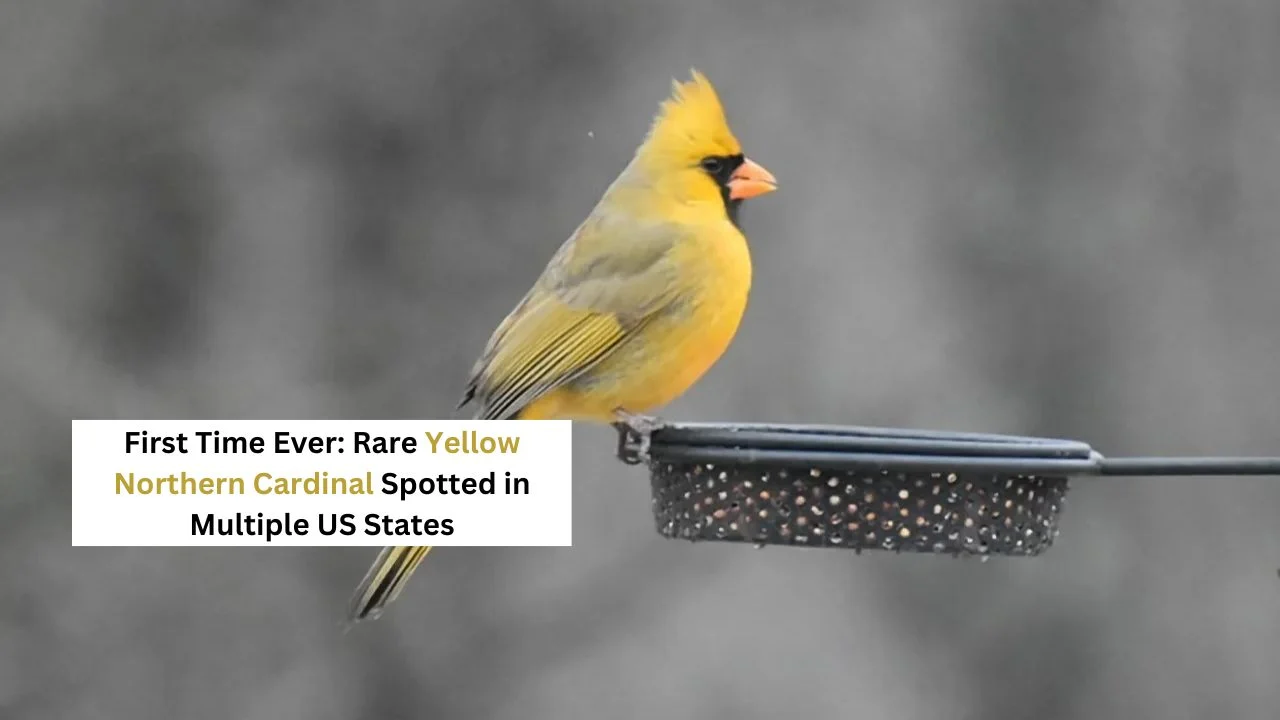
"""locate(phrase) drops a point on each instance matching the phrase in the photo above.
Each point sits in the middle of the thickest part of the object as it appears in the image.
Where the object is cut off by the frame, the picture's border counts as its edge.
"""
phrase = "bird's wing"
(595, 293)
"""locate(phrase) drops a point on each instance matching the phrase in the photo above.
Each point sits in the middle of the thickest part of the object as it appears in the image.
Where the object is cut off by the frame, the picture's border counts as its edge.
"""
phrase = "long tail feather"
(384, 581)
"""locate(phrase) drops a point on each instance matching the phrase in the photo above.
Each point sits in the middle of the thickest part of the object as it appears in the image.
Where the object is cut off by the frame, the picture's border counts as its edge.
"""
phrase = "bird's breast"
(716, 300)
(677, 346)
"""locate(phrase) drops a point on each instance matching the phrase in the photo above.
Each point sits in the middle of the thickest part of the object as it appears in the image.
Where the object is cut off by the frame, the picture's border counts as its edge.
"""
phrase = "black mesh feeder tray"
(876, 488)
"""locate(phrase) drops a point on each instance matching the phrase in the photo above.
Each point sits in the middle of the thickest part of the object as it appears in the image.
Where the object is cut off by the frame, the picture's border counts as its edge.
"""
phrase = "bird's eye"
(712, 165)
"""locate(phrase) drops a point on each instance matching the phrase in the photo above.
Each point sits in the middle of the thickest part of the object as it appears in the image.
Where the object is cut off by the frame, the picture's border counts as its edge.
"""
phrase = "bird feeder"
(867, 488)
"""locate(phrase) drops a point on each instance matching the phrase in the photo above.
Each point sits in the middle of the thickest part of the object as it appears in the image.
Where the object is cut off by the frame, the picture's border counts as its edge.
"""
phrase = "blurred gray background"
(1049, 218)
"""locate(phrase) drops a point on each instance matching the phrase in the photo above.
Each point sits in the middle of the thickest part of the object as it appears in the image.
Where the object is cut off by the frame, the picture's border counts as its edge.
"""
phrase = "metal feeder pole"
(867, 488)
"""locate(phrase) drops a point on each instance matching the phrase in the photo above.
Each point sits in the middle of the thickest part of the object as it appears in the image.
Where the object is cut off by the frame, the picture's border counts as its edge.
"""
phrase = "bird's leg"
(641, 424)
(630, 424)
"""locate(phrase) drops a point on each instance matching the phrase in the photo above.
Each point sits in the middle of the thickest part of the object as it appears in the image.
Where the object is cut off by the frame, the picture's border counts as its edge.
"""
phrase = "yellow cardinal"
(639, 302)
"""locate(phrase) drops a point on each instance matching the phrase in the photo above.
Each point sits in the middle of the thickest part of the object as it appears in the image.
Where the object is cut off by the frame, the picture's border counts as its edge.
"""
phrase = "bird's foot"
(640, 424)
(633, 435)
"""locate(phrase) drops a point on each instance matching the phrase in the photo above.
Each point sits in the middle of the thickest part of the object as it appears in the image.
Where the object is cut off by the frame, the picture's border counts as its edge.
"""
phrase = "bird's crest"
(691, 123)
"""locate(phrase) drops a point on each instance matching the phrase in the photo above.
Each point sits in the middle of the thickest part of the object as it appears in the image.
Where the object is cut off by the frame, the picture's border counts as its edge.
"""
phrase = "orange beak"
(750, 180)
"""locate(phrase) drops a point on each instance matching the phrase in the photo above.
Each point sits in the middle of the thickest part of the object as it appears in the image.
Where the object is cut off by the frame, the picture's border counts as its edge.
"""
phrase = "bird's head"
(691, 154)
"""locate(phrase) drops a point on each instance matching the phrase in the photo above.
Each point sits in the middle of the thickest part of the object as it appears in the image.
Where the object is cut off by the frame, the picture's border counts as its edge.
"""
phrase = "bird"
(634, 307)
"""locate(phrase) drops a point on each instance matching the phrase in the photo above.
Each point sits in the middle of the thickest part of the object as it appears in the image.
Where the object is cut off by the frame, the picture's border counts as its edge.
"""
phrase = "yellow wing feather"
(588, 301)
(550, 346)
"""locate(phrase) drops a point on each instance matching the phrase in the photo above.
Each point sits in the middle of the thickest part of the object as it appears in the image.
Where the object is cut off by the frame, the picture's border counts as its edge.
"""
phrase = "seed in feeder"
(868, 498)
(719, 514)
(799, 499)
(764, 514)
(815, 473)
(903, 494)
(904, 532)
(802, 521)
(937, 509)
(871, 516)
(968, 522)
(764, 494)
(852, 507)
